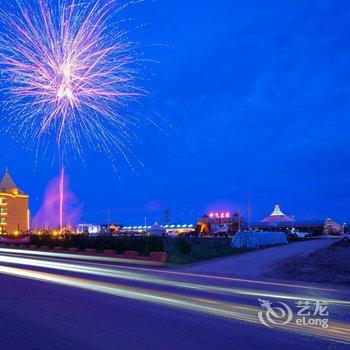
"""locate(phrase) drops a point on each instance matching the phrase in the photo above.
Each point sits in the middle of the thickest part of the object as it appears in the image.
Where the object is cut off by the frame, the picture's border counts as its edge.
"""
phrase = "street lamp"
(293, 219)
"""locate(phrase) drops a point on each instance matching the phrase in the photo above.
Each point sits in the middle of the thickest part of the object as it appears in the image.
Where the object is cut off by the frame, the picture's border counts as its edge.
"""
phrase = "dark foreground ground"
(55, 301)
(41, 316)
(326, 265)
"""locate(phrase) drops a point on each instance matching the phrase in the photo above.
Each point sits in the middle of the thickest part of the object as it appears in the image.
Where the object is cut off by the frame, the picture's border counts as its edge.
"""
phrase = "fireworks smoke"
(55, 214)
(69, 73)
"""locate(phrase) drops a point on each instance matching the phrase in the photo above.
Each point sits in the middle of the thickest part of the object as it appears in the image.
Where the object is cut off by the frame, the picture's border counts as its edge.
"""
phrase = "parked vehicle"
(346, 236)
(172, 234)
(295, 234)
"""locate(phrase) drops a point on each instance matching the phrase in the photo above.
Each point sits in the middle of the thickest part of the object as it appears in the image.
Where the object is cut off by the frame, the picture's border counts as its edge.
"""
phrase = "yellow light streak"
(132, 276)
(336, 331)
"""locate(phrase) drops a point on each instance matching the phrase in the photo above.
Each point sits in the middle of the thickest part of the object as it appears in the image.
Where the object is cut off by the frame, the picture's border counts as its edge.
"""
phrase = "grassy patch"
(185, 251)
(202, 255)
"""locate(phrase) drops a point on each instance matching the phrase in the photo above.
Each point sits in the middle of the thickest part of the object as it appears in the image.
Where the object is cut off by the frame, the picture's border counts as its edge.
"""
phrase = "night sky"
(251, 99)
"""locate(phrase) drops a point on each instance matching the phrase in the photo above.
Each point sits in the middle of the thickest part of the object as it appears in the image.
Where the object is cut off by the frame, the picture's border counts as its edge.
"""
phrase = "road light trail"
(130, 262)
(146, 278)
(336, 331)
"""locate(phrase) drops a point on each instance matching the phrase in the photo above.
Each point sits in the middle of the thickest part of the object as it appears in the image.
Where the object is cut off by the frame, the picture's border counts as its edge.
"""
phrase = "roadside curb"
(154, 258)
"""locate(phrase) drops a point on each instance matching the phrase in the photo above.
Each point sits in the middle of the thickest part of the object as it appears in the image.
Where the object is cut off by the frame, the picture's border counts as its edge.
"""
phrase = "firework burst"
(68, 73)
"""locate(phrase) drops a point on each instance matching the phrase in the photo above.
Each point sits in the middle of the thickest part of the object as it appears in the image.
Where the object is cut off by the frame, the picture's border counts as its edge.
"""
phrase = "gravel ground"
(326, 265)
(261, 261)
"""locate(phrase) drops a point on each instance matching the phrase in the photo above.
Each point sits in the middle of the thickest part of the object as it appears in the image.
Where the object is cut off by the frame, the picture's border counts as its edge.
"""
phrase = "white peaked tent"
(277, 216)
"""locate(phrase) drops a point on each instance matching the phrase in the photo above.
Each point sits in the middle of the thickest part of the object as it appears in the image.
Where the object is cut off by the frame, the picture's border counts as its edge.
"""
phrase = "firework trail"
(69, 73)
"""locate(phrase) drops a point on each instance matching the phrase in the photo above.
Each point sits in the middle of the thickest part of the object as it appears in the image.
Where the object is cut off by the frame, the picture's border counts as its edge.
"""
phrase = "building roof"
(7, 182)
(277, 216)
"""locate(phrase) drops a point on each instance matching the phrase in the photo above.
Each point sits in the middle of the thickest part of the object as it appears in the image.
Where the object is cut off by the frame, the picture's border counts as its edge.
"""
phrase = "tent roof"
(277, 215)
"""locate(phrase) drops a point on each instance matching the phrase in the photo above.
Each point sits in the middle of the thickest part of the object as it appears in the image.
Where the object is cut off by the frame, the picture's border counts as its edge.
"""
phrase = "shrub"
(183, 246)
(144, 245)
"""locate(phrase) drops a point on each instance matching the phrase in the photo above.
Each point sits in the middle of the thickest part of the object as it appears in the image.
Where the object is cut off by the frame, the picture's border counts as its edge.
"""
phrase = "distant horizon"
(156, 214)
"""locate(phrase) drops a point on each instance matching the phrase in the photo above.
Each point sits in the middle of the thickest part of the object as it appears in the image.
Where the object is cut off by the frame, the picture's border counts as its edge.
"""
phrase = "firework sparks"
(68, 73)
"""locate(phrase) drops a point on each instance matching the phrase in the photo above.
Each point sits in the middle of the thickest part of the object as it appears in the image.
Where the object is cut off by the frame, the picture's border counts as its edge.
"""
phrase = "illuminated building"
(157, 230)
(14, 212)
(219, 223)
(278, 221)
(91, 229)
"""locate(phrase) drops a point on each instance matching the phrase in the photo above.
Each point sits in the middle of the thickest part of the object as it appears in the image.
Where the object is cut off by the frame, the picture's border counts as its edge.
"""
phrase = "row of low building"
(276, 221)
(155, 230)
(15, 218)
(223, 224)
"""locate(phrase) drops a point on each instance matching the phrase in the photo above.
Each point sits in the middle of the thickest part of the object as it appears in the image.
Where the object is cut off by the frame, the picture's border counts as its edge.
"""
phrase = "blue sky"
(252, 99)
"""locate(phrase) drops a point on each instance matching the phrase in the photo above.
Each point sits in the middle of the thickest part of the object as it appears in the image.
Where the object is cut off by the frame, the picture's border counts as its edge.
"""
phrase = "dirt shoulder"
(326, 265)
(258, 262)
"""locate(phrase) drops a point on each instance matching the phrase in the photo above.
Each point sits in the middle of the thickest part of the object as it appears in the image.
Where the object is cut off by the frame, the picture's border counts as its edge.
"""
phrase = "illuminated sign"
(220, 215)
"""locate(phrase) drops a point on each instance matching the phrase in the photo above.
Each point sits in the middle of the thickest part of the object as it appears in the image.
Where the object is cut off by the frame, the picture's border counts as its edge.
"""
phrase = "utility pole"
(167, 216)
(145, 218)
(249, 214)
(239, 220)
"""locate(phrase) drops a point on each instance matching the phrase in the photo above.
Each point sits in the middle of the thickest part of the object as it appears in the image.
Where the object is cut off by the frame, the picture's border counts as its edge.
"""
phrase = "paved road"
(259, 262)
(59, 301)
